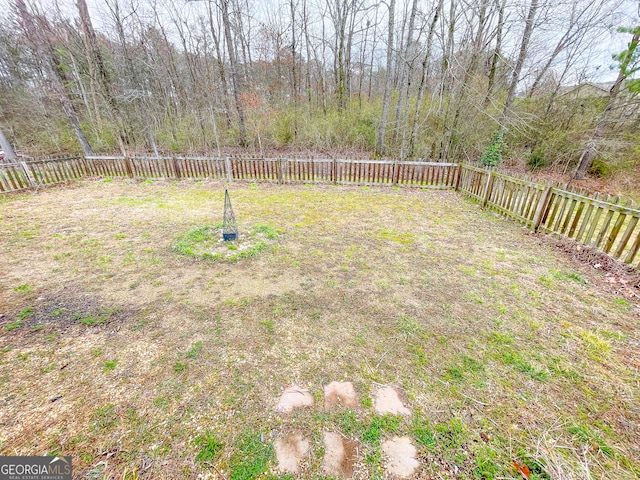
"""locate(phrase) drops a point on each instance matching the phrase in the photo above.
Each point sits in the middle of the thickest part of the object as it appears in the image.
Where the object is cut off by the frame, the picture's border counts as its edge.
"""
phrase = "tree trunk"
(294, 74)
(380, 147)
(9, 152)
(36, 37)
(94, 55)
(423, 79)
(515, 76)
(234, 71)
(404, 73)
(496, 53)
(220, 64)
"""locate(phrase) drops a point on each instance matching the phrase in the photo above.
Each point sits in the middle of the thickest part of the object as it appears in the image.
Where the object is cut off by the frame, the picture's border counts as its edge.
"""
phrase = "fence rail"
(605, 225)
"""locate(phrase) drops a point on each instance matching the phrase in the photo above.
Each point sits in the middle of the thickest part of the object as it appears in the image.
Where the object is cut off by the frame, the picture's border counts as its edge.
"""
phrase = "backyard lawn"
(136, 342)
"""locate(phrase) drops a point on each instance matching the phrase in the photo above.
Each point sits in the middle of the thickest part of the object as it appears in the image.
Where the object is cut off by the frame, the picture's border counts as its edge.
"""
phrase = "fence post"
(227, 163)
(127, 164)
(334, 171)
(176, 168)
(396, 172)
(487, 189)
(458, 177)
(541, 211)
(279, 166)
(28, 174)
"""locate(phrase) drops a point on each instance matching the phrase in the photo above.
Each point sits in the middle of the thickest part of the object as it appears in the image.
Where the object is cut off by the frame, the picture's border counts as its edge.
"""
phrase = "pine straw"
(618, 276)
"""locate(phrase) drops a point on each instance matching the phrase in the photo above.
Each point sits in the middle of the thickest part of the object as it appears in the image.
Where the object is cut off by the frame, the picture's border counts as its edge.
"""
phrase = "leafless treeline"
(415, 78)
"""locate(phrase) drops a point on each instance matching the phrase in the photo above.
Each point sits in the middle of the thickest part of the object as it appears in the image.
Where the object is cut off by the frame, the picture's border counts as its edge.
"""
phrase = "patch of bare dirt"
(401, 457)
(387, 401)
(340, 393)
(341, 455)
(68, 310)
(290, 449)
(294, 397)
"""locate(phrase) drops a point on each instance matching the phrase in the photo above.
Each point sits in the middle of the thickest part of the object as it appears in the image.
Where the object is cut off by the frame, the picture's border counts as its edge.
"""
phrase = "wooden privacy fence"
(280, 170)
(589, 220)
(33, 174)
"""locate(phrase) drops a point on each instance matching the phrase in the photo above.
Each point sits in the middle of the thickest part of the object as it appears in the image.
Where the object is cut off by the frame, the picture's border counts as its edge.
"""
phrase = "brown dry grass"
(504, 349)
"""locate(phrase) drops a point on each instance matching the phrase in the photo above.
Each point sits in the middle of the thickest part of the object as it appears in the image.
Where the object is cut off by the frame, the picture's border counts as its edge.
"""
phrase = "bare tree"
(380, 145)
(628, 65)
(226, 21)
(36, 30)
(94, 56)
(524, 48)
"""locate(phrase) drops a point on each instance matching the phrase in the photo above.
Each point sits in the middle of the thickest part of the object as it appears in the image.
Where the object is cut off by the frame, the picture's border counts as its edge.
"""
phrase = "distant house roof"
(588, 89)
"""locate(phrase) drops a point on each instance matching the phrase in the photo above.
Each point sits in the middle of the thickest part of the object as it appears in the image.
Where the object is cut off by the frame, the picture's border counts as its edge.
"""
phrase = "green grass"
(422, 431)
(25, 288)
(22, 316)
(266, 231)
(204, 242)
(179, 367)
(586, 436)
(251, 457)
(195, 350)
(209, 447)
(90, 320)
(380, 425)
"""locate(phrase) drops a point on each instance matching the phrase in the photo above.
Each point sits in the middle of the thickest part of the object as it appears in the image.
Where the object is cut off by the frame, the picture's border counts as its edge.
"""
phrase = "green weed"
(378, 426)
(266, 231)
(587, 436)
(516, 359)
(105, 417)
(25, 288)
(209, 447)
(195, 350)
(621, 303)
(13, 326)
(110, 365)
(422, 431)
(451, 435)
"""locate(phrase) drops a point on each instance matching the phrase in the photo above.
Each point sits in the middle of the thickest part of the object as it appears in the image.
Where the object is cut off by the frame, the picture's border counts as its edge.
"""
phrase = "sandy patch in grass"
(387, 400)
(290, 449)
(340, 393)
(401, 457)
(340, 455)
(294, 397)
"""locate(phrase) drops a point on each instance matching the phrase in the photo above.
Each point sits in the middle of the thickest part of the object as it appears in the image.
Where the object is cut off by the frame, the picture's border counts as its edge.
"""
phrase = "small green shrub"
(599, 168)
(538, 159)
(492, 155)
